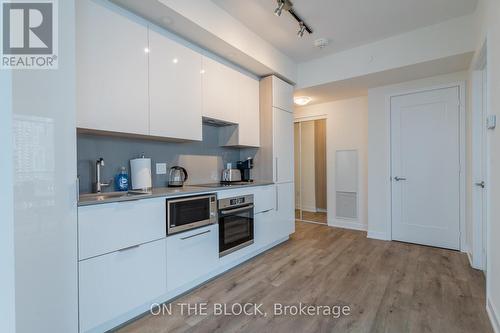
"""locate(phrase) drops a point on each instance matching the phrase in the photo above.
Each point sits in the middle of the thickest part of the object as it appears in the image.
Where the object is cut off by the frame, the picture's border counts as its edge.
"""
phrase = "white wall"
(449, 38)
(489, 28)
(379, 157)
(7, 282)
(44, 135)
(346, 128)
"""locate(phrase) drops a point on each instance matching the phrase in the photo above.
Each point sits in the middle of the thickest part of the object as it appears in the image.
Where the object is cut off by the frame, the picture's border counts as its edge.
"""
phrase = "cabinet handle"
(129, 248)
(266, 211)
(236, 210)
(277, 204)
(201, 233)
(276, 169)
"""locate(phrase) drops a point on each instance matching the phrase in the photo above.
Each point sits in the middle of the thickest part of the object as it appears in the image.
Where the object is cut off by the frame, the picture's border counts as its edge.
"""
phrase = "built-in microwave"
(191, 212)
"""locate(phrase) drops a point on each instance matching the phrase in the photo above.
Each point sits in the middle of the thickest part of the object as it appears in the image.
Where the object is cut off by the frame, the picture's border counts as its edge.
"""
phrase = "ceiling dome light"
(278, 10)
(302, 100)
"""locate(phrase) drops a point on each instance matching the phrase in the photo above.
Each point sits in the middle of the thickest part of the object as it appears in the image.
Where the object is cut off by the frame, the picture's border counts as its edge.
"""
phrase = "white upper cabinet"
(247, 132)
(249, 116)
(174, 89)
(282, 94)
(220, 91)
(112, 71)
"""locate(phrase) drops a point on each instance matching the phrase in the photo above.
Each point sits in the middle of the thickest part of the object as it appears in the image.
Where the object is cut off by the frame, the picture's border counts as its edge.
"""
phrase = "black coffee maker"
(245, 167)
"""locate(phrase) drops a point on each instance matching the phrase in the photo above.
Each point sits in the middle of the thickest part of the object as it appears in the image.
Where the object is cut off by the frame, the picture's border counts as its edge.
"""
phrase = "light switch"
(161, 168)
(491, 121)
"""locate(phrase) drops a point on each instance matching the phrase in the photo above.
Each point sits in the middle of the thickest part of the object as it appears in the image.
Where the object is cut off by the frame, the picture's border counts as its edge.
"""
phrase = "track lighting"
(281, 4)
(287, 5)
(302, 29)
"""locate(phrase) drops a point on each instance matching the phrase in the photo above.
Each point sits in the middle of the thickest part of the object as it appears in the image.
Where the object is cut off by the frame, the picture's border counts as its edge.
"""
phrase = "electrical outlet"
(161, 168)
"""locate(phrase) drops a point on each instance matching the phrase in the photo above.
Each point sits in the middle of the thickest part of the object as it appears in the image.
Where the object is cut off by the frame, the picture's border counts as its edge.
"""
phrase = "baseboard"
(377, 235)
(347, 224)
(494, 316)
(471, 262)
(309, 209)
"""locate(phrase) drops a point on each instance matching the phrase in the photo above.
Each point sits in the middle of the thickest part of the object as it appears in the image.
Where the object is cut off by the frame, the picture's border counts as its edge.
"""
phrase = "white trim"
(479, 163)
(378, 235)
(309, 118)
(309, 209)
(461, 87)
(493, 315)
(347, 225)
(469, 256)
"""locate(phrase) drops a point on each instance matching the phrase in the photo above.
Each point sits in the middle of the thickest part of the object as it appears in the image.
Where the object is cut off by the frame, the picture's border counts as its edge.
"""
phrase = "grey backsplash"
(203, 160)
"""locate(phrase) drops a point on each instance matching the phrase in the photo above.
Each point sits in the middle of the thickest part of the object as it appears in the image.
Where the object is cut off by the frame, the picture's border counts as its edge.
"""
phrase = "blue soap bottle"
(121, 180)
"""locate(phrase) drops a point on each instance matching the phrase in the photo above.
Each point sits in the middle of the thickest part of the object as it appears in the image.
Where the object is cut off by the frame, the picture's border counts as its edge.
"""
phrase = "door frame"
(300, 120)
(480, 110)
(461, 85)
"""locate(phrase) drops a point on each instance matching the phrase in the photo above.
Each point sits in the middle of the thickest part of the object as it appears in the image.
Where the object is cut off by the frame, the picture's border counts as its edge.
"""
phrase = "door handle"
(399, 178)
(482, 184)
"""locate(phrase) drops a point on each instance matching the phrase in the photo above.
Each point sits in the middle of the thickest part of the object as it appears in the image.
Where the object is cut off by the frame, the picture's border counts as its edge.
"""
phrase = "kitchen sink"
(111, 195)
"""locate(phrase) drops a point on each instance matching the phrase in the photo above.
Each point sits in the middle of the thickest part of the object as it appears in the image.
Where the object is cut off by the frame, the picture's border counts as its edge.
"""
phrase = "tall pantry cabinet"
(275, 158)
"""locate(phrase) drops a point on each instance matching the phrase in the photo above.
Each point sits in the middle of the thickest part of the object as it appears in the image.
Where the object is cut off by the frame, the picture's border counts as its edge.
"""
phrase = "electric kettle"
(177, 176)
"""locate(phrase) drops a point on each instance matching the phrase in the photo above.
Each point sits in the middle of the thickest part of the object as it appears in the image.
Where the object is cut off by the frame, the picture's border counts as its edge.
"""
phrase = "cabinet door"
(283, 146)
(191, 255)
(111, 71)
(109, 227)
(249, 115)
(264, 198)
(282, 95)
(220, 93)
(285, 208)
(116, 283)
(266, 228)
(174, 89)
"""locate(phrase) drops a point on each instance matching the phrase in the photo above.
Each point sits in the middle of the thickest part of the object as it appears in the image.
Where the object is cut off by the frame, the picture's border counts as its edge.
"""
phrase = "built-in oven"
(191, 212)
(236, 225)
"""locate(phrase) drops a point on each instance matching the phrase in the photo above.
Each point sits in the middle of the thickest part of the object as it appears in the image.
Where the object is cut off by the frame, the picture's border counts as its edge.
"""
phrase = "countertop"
(109, 197)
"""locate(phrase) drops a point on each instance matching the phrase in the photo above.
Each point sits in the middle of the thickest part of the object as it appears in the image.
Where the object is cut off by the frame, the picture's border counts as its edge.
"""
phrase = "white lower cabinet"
(116, 283)
(191, 255)
(109, 227)
(264, 198)
(265, 228)
(285, 213)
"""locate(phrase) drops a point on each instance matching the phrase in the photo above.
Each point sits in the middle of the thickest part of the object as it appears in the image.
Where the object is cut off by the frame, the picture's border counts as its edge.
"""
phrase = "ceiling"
(345, 23)
(359, 86)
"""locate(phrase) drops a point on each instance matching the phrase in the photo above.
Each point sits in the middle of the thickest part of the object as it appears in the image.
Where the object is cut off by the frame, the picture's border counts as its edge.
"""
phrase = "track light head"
(302, 29)
(279, 9)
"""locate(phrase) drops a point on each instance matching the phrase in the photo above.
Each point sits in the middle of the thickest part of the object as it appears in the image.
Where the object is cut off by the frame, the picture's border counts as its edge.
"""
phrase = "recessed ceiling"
(346, 23)
(359, 86)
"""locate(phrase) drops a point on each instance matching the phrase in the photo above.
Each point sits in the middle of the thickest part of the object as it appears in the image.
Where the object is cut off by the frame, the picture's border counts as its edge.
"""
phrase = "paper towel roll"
(141, 173)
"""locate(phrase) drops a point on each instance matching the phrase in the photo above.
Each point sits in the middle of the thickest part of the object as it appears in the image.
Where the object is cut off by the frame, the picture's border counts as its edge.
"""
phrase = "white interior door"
(425, 147)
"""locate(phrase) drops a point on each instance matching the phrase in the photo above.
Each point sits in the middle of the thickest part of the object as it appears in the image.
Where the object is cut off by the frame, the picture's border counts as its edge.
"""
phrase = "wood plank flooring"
(389, 287)
(318, 217)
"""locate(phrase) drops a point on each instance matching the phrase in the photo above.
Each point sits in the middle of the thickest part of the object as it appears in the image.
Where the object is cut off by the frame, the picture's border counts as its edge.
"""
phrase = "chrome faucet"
(98, 184)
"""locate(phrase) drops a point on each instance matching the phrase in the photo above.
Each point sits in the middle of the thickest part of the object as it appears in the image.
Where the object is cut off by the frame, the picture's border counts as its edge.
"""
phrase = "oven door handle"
(236, 210)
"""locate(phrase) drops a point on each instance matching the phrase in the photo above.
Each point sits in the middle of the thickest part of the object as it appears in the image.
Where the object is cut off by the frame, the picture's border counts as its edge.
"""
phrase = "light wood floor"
(389, 286)
(318, 217)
